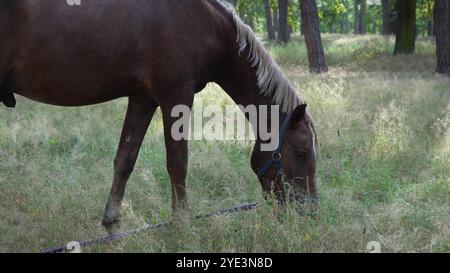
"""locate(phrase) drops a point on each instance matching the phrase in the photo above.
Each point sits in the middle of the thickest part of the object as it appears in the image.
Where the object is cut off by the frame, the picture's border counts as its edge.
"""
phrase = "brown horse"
(158, 54)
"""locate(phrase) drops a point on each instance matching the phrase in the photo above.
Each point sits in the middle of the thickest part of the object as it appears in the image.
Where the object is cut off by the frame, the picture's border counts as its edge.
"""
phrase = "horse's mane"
(271, 80)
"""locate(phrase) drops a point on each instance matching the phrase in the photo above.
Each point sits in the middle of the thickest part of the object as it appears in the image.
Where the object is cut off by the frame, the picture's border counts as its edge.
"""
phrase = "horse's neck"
(240, 82)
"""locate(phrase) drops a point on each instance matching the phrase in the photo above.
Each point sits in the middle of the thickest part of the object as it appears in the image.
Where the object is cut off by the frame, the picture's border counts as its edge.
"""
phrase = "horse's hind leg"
(137, 121)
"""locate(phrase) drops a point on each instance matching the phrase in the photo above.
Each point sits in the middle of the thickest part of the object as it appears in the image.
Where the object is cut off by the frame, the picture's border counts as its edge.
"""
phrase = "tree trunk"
(276, 26)
(283, 32)
(442, 29)
(313, 40)
(386, 28)
(362, 17)
(356, 16)
(269, 22)
(405, 25)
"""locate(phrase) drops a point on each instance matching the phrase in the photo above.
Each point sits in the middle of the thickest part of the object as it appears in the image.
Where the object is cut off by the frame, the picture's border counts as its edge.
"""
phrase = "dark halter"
(275, 158)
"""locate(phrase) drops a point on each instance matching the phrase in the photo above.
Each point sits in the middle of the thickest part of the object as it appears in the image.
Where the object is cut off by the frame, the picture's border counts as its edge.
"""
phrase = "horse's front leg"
(137, 121)
(176, 154)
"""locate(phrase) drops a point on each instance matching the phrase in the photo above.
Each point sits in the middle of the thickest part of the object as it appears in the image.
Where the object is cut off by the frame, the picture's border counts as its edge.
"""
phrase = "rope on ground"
(121, 235)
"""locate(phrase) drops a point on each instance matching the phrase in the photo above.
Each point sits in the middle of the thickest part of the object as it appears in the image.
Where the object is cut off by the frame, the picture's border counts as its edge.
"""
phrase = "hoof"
(181, 215)
(111, 225)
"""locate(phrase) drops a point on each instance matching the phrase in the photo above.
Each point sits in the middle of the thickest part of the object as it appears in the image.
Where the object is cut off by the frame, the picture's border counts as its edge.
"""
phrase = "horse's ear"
(298, 115)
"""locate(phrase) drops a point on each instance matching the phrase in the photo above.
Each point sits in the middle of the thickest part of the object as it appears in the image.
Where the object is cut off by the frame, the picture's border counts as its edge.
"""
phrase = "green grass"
(383, 123)
(354, 51)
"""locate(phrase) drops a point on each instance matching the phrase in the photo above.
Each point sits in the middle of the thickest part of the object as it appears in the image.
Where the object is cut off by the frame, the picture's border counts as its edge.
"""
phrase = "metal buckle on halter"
(276, 156)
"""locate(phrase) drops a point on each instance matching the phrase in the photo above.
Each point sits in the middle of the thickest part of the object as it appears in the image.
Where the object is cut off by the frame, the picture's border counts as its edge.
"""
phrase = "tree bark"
(275, 19)
(269, 20)
(283, 32)
(442, 29)
(386, 28)
(405, 25)
(362, 17)
(313, 40)
(356, 16)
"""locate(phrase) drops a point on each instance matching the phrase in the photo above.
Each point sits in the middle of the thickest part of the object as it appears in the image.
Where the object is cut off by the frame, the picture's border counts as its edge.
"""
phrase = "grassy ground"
(383, 170)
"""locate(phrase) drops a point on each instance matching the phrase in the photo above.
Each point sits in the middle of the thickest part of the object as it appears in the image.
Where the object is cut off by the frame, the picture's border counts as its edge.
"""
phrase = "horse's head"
(290, 171)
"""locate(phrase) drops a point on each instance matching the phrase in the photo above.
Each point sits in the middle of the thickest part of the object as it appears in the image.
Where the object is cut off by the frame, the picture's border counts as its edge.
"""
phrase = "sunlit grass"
(383, 123)
(354, 51)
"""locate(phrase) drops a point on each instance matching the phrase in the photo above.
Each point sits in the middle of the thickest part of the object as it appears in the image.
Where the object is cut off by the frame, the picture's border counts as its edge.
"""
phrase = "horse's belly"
(58, 100)
(76, 97)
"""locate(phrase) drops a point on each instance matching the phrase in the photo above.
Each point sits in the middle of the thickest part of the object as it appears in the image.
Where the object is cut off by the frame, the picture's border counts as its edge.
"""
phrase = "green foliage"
(348, 51)
(336, 16)
(251, 12)
(424, 15)
(333, 13)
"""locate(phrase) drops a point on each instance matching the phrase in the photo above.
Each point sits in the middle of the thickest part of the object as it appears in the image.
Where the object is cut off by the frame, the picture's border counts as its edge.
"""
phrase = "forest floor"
(383, 169)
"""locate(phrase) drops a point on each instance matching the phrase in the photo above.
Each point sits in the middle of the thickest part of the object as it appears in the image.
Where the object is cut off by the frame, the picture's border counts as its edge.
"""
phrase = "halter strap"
(275, 158)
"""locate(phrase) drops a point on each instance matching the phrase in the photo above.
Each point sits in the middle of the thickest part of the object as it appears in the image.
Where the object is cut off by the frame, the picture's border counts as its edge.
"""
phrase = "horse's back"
(101, 50)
